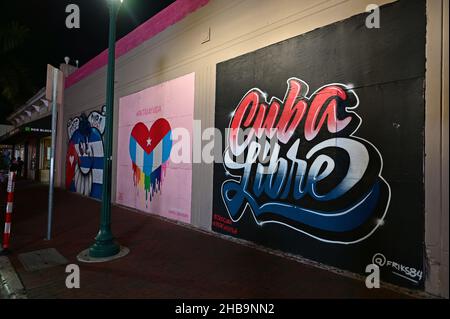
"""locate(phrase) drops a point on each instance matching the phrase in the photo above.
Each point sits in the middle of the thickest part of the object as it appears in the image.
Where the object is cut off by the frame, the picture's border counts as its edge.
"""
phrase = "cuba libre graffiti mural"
(84, 158)
(323, 145)
(318, 177)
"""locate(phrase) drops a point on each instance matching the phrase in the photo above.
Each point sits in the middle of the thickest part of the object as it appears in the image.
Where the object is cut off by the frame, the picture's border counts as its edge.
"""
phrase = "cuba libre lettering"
(302, 166)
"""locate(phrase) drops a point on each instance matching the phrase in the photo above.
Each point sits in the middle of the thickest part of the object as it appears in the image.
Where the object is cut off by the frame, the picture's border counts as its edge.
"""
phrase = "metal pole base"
(102, 249)
(105, 245)
(86, 257)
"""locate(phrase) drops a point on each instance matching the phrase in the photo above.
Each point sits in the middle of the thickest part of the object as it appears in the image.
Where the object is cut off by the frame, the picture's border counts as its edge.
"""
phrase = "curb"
(10, 285)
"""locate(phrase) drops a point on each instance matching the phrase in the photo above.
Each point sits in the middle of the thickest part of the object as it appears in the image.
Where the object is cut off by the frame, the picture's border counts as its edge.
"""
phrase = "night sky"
(49, 41)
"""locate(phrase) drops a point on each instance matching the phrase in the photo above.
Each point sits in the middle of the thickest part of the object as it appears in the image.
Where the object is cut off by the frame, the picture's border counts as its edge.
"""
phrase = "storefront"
(31, 144)
(43, 160)
(29, 138)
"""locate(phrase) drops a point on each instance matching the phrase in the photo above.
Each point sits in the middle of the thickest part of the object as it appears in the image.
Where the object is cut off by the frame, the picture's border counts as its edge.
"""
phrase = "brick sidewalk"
(166, 259)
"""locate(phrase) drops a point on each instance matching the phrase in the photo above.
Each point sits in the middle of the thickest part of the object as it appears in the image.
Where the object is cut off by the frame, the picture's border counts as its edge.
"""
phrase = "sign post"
(9, 209)
(53, 93)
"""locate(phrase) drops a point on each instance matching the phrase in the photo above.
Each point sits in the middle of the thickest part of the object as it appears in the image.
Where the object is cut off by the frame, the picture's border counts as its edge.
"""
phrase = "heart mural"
(149, 153)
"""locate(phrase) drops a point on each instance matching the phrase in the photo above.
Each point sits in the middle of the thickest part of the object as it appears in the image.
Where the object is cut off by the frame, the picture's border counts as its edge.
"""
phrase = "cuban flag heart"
(149, 152)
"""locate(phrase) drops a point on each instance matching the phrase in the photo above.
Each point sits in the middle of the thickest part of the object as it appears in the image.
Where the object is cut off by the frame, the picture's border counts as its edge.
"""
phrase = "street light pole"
(105, 245)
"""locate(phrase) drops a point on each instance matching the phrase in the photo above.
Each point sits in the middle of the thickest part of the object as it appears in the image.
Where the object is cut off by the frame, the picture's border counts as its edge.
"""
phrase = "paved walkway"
(166, 260)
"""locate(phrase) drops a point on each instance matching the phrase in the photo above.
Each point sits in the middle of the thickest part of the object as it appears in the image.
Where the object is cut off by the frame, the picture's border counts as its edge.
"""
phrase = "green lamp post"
(105, 245)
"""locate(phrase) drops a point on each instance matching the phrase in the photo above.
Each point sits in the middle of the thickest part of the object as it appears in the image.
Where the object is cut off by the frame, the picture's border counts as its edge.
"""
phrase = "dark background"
(387, 68)
(47, 40)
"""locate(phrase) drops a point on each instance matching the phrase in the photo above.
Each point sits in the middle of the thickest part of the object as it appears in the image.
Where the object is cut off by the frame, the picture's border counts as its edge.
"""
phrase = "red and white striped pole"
(9, 208)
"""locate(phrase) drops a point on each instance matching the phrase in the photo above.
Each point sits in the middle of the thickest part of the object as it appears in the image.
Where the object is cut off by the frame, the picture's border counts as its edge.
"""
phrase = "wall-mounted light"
(45, 102)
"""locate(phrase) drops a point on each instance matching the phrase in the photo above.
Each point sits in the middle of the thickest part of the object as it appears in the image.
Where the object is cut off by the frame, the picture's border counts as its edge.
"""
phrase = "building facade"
(355, 107)
(29, 137)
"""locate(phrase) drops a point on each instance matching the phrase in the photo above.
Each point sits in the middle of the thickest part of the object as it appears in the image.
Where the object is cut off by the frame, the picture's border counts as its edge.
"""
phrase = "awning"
(38, 128)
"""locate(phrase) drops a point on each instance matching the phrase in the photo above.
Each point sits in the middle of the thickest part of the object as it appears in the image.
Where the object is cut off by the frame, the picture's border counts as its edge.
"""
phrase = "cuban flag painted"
(149, 151)
(89, 149)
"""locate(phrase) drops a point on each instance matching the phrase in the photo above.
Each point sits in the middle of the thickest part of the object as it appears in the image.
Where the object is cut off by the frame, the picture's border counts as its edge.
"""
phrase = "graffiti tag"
(302, 165)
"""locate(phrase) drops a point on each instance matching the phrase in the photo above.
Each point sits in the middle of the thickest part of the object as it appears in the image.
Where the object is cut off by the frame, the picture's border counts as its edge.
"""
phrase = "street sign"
(49, 85)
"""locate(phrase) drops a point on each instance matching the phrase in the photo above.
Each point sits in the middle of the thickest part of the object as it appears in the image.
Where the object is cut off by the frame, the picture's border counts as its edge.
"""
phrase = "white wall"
(436, 148)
